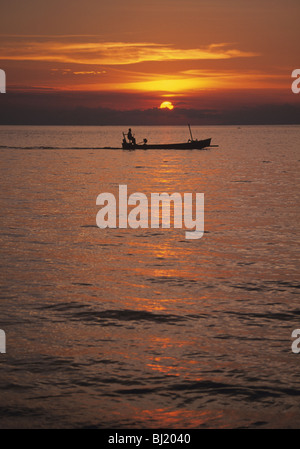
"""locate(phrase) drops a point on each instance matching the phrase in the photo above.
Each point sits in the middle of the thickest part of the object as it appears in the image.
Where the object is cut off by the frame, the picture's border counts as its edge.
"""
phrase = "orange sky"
(179, 50)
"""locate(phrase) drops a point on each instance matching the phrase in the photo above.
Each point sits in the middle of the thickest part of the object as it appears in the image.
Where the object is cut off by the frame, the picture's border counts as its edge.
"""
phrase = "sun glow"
(166, 105)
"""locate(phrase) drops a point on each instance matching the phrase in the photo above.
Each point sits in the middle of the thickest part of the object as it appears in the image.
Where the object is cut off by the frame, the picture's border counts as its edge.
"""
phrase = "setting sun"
(166, 105)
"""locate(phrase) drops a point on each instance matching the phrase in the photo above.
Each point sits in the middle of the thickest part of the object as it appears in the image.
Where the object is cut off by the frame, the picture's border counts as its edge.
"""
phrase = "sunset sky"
(204, 55)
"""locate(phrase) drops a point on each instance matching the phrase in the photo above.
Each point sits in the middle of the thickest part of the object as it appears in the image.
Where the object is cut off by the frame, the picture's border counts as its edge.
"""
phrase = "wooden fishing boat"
(191, 144)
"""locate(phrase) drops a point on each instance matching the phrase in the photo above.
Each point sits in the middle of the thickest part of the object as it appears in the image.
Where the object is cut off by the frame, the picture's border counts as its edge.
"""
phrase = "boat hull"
(191, 145)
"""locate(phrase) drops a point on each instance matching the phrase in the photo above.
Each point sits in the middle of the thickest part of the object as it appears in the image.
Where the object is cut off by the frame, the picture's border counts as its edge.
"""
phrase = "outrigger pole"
(191, 132)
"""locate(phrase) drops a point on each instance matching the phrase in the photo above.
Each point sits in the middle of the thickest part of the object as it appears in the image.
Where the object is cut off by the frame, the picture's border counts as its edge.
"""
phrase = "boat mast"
(190, 132)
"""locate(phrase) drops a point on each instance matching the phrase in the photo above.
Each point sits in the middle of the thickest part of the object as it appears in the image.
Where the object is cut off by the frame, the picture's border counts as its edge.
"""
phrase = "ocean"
(143, 328)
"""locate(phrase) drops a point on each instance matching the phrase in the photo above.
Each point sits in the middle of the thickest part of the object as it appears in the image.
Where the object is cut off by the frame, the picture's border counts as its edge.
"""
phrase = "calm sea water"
(143, 328)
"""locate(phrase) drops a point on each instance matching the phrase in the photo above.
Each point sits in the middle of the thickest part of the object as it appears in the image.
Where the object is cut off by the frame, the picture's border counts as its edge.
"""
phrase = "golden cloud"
(110, 53)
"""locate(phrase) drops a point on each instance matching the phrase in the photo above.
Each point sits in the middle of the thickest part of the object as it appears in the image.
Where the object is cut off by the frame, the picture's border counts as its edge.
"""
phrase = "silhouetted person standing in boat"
(131, 138)
(129, 135)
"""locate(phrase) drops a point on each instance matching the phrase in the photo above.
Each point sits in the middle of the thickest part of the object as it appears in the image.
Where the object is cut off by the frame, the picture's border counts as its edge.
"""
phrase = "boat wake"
(4, 147)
